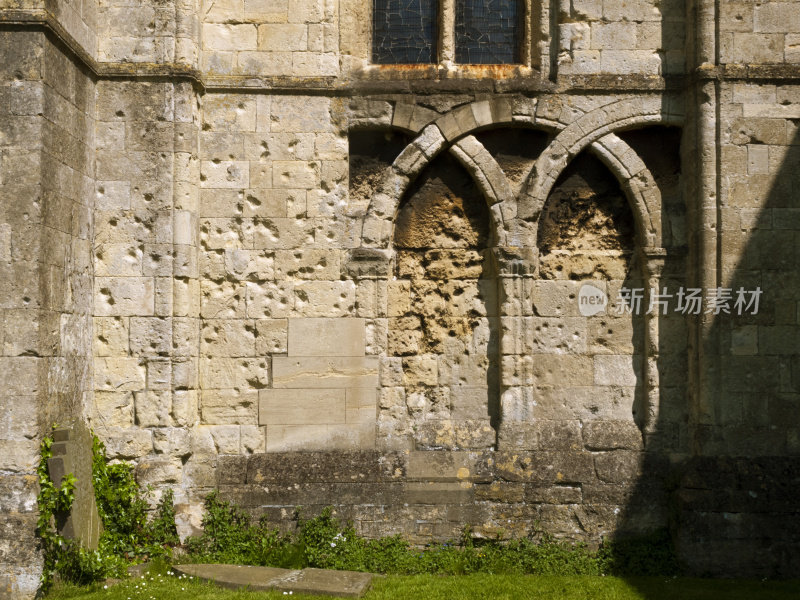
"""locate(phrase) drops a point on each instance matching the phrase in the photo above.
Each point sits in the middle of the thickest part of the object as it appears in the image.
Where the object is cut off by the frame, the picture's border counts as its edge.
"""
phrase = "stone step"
(324, 582)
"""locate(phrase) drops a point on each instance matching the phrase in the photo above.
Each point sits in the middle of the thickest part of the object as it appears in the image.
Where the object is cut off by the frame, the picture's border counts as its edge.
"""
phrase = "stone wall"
(232, 243)
(145, 285)
(433, 494)
(149, 32)
(270, 39)
(47, 181)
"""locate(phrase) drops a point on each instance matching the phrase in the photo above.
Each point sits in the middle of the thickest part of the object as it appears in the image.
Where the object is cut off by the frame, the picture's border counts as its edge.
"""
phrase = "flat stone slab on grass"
(347, 584)
(325, 582)
(234, 577)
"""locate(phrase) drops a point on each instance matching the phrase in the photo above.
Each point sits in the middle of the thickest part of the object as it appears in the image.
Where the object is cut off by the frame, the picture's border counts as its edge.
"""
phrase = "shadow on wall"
(735, 475)
(586, 234)
(662, 411)
(739, 495)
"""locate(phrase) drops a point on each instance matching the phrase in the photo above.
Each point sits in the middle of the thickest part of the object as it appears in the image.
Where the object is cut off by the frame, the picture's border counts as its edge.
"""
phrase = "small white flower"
(105, 587)
(333, 544)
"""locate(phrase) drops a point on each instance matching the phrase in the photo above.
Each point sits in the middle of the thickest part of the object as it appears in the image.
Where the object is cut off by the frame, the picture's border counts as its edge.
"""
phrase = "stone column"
(653, 260)
(516, 270)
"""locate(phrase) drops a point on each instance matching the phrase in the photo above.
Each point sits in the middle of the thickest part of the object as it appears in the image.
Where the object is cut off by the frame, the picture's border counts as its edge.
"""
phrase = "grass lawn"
(465, 587)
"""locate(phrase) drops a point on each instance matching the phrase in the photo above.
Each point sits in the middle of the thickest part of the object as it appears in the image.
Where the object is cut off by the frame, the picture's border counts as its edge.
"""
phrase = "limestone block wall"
(259, 38)
(46, 171)
(251, 38)
(233, 243)
(759, 183)
(21, 163)
(272, 331)
(324, 389)
(146, 332)
(764, 32)
(149, 32)
(617, 36)
(77, 20)
(311, 341)
(431, 495)
(273, 240)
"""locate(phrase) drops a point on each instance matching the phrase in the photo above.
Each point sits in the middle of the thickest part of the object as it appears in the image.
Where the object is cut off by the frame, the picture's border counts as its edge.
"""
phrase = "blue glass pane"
(404, 31)
(487, 31)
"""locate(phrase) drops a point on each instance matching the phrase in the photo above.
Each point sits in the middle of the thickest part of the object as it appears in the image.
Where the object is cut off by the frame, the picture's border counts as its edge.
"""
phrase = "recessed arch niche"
(443, 321)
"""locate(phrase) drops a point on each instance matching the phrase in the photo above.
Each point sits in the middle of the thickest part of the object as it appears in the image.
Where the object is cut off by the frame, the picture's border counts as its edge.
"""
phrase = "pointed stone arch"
(479, 163)
(452, 131)
(644, 198)
(595, 130)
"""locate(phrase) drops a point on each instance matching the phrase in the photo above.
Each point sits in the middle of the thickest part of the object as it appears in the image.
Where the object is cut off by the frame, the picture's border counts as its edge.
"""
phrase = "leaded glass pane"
(487, 31)
(404, 31)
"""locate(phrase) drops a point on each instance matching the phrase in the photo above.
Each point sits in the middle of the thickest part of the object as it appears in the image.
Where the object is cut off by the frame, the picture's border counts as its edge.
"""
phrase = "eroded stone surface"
(275, 265)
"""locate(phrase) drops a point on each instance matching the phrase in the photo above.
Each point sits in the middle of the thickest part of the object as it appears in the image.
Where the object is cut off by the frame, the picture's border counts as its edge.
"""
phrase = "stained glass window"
(404, 31)
(487, 31)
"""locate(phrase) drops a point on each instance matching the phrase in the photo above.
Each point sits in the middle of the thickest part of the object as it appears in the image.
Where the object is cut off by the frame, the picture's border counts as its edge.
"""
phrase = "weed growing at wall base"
(323, 542)
(127, 536)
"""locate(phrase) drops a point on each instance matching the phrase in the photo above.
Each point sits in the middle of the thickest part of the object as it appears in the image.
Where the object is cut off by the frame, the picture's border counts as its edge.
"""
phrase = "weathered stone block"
(555, 494)
(617, 370)
(227, 37)
(272, 336)
(124, 296)
(281, 438)
(776, 17)
(115, 408)
(228, 337)
(127, 443)
(224, 174)
(119, 374)
(612, 435)
(500, 491)
(157, 472)
(172, 441)
(224, 407)
(361, 406)
(324, 298)
(301, 407)
(619, 466)
(326, 337)
(443, 466)
(227, 373)
(150, 336)
(325, 372)
(360, 466)
(558, 435)
(547, 370)
(153, 408)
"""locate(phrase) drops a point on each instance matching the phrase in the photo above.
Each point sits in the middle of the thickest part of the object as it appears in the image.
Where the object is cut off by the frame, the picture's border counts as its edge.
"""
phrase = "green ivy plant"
(128, 535)
(52, 500)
